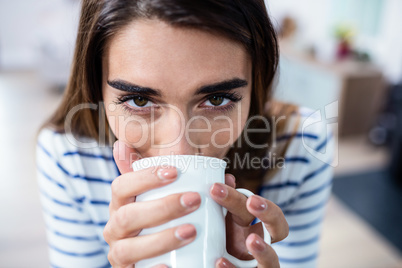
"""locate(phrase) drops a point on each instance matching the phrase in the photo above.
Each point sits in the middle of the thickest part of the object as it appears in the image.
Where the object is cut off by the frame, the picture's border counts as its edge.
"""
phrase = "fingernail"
(224, 264)
(167, 173)
(185, 232)
(190, 200)
(258, 203)
(161, 266)
(258, 244)
(134, 157)
(219, 191)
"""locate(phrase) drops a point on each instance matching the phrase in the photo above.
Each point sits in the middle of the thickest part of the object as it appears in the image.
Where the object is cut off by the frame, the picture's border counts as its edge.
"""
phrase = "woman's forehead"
(157, 55)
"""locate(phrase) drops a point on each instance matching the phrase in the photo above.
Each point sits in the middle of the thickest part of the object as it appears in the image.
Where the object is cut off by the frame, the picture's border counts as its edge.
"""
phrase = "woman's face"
(170, 90)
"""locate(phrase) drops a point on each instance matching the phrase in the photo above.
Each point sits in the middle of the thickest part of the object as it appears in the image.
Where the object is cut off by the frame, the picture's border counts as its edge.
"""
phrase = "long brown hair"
(243, 21)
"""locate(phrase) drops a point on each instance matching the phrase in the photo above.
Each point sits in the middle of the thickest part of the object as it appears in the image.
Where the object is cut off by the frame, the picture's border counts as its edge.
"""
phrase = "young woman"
(178, 77)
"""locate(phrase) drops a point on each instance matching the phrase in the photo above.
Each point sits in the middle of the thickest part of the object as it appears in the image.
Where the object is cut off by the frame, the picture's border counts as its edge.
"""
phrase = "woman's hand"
(241, 212)
(128, 218)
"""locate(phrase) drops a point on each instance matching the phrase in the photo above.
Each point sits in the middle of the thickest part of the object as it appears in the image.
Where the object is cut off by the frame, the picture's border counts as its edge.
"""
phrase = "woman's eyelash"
(123, 99)
(231, 96)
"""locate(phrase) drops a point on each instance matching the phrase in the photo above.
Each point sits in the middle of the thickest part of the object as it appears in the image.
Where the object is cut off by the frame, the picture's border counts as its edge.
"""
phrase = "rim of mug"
(138, 162)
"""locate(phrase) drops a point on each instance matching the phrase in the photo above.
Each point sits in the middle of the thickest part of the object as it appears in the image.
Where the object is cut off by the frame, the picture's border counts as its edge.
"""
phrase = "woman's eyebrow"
(222, 86)
(132, 88)
(227, 85)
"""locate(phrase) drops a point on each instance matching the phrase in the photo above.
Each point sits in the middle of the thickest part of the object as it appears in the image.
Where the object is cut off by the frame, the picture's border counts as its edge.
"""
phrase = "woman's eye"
(139, 101)
(217, 101)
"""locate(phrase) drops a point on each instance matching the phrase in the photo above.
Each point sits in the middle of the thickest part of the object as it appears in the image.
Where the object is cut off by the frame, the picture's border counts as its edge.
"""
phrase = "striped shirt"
(75, 178)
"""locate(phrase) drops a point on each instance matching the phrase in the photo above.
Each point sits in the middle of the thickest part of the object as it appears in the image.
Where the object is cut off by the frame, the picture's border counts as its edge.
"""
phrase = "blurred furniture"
(358, 86)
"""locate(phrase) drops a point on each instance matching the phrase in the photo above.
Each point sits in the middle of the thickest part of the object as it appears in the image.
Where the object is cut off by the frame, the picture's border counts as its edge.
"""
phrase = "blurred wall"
(387, 48)
(380, 31)
(38, 35)
(41, 34)
(307, 14)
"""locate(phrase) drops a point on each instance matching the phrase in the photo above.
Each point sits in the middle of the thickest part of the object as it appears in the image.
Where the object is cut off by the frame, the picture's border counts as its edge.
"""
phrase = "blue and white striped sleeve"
(302, 189)
(72, 239)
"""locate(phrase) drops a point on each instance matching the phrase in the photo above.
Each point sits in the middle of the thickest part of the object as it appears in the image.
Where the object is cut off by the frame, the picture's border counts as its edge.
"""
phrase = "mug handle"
(267, 239)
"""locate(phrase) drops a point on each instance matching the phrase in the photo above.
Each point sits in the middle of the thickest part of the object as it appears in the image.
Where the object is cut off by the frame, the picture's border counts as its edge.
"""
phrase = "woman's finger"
(230, 180)
(125, 252)
(233, 201)
(262, 252)
(129, 185)
(271, 215)
(129, 220)
(124, 156)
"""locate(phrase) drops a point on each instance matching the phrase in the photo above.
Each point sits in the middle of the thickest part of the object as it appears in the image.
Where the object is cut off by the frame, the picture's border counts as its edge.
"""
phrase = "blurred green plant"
(344, 32)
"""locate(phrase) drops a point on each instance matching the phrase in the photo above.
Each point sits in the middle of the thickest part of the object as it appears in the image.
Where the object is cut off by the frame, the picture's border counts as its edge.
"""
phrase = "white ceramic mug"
(195, 174)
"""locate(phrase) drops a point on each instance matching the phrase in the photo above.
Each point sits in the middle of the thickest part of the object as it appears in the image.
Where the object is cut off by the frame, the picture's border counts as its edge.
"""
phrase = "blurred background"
(342, 57)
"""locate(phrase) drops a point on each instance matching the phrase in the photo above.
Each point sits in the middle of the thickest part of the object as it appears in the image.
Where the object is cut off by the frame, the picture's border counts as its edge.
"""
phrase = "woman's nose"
(170, 135)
